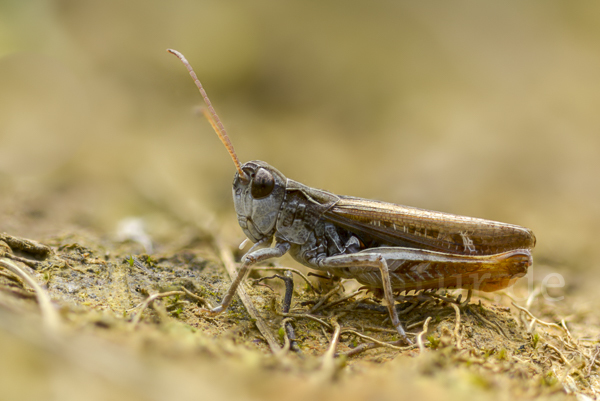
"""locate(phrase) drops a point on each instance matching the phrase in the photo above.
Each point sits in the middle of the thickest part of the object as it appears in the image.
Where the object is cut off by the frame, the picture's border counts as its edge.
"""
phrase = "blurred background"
(483, 109)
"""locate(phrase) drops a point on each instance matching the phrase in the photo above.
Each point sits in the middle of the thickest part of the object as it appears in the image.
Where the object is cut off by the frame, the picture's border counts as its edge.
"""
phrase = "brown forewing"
(406, 226)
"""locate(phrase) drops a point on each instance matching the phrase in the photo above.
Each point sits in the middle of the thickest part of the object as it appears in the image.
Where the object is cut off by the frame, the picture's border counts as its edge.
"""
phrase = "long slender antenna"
(212, 118)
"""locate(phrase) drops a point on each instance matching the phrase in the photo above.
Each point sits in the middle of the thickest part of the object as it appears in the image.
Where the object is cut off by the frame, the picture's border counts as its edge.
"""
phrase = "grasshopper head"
(257, 197)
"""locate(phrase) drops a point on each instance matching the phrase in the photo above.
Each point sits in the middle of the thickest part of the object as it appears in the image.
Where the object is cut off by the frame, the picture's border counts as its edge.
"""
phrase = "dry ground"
(102, 338)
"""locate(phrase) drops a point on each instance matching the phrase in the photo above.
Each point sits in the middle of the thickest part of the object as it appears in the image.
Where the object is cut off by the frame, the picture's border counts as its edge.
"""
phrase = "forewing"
(391, 224)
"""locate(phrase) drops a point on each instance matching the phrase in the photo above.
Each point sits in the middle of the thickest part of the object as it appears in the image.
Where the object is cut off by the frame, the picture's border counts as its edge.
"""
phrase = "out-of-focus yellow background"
(483, 109)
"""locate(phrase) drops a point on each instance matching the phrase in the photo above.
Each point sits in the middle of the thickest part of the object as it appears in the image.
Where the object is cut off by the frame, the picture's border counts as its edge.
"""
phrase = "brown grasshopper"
(382, 245)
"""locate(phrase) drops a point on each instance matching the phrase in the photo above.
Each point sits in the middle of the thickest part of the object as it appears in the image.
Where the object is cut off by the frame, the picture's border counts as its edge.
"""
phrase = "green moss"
(549, 380)
(434, 342)
(502, 354)
(535, 340)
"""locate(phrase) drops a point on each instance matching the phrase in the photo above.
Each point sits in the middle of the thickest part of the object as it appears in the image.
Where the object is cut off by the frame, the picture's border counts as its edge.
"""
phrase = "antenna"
(211, 115)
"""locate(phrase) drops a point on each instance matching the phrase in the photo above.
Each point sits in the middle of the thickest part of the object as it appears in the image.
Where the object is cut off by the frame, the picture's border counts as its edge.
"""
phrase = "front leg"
(249, 259)
(368, 260)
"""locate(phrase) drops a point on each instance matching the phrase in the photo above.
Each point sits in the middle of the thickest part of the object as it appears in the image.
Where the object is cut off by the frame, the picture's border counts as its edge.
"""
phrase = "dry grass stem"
(373, 340)
(325, 297)
(534, 294)
(564, 358)
(328, 364)
(416, 324)
(457, 325)
(410, 308)
(50, 316)
(342, 299)
(196, 297)
(308, 316)
(142, 307)
(290, 269)
(564, 325)
(420, 335)
(593, 361)
(379, 329)
(536, 320)
(368, 346)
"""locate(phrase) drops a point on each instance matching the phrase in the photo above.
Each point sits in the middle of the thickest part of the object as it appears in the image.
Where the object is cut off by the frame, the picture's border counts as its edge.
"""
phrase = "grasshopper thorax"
(258, 198)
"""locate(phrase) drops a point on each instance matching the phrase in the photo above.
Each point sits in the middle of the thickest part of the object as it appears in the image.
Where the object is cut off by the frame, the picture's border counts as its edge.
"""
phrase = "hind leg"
(374, 260)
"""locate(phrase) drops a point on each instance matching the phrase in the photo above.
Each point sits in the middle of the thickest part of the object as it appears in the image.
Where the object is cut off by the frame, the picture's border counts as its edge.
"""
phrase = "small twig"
(308, 316)
(324, 332)
(562, 321)
(593, 361)
(296, 271)
(196, 297)
(321, 276)
(374, 340)
(368, 346)
(411, 307)
(420, 335)
(439, 297)
(149, 300)
(328, 364)
(379, 329)
(259, 281)
(360, 306)
(325, 298)
(50, 316)
(532, 297)
(552, 347)
(342, 299)
(535, 319)
(417, 324)
(457, 326)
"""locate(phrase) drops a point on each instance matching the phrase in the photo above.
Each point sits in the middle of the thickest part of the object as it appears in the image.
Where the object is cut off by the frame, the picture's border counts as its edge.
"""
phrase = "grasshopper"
(383, 246)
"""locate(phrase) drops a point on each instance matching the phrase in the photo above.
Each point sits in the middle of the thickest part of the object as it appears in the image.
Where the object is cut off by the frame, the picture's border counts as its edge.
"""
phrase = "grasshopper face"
(258, 199)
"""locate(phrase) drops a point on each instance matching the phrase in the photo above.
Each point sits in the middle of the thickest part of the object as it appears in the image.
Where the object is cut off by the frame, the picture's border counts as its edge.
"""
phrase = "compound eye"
(263, 184)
